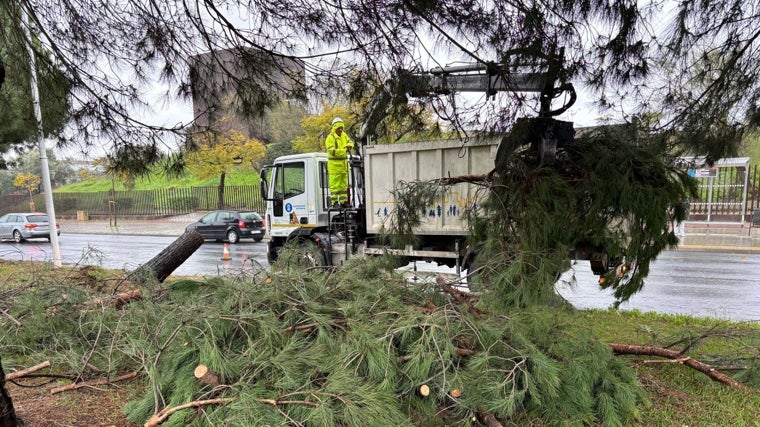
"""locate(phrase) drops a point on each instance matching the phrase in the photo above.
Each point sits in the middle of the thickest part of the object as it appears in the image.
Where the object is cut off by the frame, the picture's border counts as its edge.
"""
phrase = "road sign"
(704, 173)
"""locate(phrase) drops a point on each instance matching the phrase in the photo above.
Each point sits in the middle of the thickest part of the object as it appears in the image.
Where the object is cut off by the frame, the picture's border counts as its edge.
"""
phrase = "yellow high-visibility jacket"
(336, 145)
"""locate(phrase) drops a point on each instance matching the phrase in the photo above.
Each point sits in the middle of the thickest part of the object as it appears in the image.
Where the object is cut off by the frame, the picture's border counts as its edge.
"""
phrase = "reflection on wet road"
(705, 284)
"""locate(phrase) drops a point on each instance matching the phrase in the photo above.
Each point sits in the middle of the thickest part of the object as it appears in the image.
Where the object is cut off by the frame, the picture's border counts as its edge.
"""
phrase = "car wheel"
(257, 239)
(233, 236)
(17, 236)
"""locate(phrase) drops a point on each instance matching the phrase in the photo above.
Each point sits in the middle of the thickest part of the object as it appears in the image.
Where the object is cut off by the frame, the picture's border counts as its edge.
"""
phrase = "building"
(233, 89)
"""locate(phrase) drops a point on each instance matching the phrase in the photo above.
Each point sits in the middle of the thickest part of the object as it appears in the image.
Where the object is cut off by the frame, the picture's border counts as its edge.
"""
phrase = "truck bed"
(386, 165)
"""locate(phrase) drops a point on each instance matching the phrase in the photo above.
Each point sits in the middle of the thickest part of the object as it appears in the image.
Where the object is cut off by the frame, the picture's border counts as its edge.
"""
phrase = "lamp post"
(47, 187)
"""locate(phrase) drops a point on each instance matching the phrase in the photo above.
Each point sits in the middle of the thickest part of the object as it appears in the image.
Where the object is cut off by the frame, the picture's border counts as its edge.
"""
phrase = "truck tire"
(308, 255)
(272, 251)
(302, 253)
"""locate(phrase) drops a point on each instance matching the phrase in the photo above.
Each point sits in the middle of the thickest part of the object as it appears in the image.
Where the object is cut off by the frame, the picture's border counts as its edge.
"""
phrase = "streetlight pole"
(46, 186)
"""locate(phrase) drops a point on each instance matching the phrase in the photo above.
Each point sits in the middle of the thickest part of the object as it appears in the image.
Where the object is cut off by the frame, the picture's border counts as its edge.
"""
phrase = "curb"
(141, 228)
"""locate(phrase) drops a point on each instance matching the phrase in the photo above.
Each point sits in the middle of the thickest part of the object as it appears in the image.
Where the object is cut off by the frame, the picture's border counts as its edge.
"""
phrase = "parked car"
(22, 226)
(230, 226)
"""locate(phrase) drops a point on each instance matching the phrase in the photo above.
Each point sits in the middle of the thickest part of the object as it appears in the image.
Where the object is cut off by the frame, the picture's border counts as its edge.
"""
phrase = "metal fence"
(145, 203)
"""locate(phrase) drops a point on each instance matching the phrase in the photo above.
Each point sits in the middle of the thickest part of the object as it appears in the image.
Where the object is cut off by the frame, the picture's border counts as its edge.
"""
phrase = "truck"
(296, 188)
(298, 210)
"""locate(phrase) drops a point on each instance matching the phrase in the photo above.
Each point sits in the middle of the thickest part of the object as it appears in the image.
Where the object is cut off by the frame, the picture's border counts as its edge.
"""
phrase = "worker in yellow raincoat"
(338, 145)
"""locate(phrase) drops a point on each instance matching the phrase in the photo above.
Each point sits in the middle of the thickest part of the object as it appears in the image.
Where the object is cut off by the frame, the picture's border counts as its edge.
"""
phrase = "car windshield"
(37, 218)
(250, 216)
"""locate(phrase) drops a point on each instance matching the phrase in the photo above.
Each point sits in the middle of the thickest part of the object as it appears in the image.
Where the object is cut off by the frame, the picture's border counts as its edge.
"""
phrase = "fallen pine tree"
(359, 346)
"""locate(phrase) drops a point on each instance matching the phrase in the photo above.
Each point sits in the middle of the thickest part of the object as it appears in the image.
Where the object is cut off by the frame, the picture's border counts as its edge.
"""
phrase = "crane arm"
(486, 78)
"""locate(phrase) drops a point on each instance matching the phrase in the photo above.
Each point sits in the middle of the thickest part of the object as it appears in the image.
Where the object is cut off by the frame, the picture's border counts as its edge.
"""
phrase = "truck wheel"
(272, 252)
(303, 254)
(308, 254)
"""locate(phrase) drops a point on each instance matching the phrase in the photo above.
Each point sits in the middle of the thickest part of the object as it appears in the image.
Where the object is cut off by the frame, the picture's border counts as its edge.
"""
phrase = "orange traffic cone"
(226, 254)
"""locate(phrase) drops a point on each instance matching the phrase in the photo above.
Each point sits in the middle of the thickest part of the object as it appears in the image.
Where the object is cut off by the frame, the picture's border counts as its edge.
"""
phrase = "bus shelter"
(722, 190)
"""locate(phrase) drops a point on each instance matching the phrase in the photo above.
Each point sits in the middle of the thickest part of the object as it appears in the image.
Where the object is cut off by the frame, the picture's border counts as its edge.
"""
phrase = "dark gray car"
(230, 225)
(28, 225)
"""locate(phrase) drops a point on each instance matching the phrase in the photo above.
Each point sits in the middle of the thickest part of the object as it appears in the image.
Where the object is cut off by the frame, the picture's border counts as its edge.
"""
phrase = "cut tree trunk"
(118, 300)
(169, 259)
(7, 413)
(206, 376)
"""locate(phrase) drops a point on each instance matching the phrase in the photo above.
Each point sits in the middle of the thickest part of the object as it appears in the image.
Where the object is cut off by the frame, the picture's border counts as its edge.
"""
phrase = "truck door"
(290, 197)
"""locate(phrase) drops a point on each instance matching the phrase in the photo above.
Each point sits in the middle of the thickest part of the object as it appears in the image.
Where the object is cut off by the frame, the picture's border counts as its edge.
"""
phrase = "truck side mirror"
(263, 185)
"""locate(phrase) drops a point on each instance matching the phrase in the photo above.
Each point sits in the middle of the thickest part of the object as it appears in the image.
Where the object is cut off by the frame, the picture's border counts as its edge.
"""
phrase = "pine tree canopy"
(691, 64)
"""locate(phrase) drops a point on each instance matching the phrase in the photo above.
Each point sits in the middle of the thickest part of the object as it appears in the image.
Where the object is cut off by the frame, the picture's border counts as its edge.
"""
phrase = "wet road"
(705, 284)
(128, 252)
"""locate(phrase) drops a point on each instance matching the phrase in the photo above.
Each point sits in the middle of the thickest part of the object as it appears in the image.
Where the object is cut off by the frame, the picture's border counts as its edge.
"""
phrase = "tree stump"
(169, 259)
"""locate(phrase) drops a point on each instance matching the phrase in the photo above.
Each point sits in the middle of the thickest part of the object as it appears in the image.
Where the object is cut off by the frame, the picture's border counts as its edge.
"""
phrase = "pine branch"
(461, 352)
(29, 370)
(165, 413)
(13, 319)
(464, 298)
(677, 357)
(487, 418)
(481, 179)
(118, 299)
(94, 383)
(311, 326)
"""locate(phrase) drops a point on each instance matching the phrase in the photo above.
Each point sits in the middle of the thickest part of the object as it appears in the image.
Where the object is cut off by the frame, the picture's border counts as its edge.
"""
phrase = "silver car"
(22, 226)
